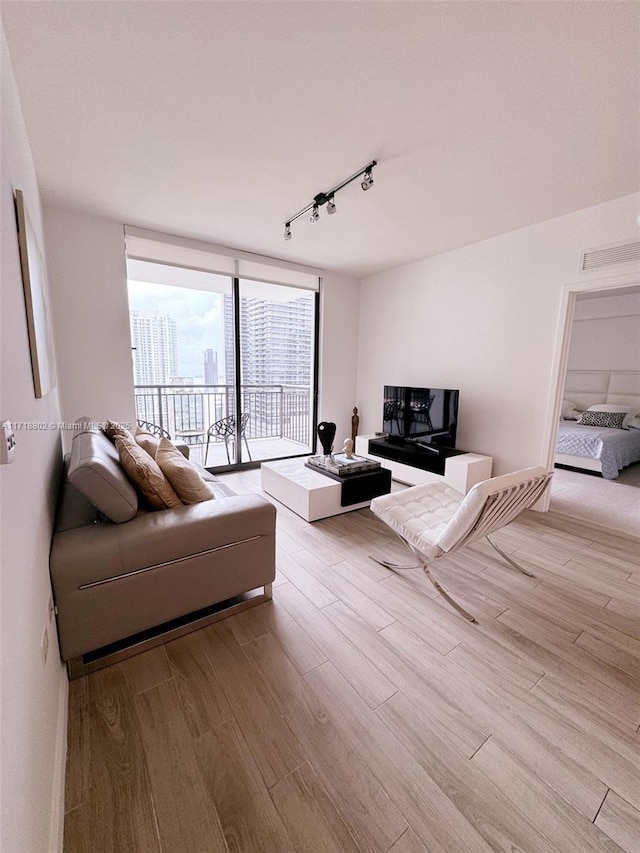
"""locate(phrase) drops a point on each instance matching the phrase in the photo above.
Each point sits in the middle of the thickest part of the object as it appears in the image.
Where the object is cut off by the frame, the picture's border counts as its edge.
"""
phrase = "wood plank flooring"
(358, 712)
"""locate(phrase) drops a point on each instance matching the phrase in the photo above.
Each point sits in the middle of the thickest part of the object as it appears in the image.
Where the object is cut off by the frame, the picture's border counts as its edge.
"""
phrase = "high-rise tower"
(210, 367)
(154, 337)
(276, 341)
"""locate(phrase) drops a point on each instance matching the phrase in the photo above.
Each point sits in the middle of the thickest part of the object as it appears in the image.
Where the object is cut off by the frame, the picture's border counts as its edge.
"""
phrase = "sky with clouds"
(198, 315)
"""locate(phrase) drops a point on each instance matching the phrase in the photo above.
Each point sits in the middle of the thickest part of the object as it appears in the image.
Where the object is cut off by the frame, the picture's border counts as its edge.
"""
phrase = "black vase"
(326, 434)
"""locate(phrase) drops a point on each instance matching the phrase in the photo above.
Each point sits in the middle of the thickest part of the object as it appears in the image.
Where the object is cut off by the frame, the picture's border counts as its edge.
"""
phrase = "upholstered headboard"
(589, 387)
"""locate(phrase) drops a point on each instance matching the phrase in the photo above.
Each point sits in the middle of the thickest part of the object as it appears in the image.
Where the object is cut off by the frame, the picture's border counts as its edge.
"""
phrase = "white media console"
(460, 472)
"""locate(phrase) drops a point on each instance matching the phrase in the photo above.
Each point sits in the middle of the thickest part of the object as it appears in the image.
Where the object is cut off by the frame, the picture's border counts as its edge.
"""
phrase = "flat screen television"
(427, 414)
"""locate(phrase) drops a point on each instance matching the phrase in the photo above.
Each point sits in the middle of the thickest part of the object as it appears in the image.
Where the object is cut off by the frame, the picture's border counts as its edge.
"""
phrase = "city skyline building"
(210, 367)
(154, 338)
(276, 341)
(276, 354)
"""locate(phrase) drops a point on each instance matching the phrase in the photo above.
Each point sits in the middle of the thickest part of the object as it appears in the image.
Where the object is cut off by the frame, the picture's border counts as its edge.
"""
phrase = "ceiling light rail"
(328, 197)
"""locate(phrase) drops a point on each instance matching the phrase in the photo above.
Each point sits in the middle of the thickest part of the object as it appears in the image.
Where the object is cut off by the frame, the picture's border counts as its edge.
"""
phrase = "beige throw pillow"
(148, 442)
(182, 474)
(145, 474)
(112, 429)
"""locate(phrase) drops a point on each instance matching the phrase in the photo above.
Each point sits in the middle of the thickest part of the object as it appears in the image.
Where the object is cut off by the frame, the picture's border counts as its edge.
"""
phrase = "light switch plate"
(7, 443)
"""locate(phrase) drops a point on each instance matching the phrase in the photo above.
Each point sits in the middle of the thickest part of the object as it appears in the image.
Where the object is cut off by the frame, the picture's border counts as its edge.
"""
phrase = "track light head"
(328, 197)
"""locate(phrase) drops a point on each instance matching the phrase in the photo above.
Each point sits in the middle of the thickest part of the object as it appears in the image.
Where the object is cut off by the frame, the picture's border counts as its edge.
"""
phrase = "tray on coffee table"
(340, 465)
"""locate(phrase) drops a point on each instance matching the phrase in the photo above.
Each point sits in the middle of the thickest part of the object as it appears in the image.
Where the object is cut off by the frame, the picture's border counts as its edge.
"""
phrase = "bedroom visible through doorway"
(601, 374)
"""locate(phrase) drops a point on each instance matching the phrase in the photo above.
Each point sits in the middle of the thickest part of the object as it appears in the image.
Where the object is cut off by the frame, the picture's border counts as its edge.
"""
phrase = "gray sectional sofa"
(120, 571)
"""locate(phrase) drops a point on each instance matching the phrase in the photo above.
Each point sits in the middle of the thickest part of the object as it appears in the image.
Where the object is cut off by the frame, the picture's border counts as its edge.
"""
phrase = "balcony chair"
(225, 429)
(154, 429)
(434, 520)
(421, 411)
(390, 413)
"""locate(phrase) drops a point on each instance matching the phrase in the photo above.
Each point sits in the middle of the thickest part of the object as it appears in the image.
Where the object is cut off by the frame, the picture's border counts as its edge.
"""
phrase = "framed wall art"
(34, 280)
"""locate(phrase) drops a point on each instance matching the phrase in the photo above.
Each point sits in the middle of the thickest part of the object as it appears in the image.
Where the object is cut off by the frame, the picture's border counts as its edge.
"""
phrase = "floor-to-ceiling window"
(275, 325)
(222, 361)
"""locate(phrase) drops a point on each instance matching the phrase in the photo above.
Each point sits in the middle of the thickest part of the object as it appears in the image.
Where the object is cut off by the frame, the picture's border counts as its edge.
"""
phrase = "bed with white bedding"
(613, 449)
(596, 447)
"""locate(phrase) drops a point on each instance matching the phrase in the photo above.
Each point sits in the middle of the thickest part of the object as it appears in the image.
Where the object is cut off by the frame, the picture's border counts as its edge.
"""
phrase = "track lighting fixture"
(328, 198)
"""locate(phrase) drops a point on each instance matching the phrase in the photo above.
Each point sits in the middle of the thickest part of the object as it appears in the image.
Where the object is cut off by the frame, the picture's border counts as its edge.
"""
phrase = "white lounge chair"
(434, 520)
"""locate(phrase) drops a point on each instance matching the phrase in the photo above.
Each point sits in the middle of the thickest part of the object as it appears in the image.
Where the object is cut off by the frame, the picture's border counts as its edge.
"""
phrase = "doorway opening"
(597, 366)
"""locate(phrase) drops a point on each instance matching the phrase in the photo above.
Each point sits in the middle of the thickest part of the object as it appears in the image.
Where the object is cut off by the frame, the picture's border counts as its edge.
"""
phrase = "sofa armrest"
(100, 552)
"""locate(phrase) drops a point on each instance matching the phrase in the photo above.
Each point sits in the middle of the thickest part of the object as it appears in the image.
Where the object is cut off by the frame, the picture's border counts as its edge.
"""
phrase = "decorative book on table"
(341, 465)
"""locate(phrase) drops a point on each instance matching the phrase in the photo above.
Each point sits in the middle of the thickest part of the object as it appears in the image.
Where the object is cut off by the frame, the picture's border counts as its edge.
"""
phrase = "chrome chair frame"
(499, 509)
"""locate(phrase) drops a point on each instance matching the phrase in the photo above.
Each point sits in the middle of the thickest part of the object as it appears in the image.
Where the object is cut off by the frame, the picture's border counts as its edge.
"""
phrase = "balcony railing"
(275, 411)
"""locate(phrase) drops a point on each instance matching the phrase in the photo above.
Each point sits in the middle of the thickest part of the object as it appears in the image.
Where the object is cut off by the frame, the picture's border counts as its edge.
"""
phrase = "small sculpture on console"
(348, 448)
(326, 434)
(355, 423)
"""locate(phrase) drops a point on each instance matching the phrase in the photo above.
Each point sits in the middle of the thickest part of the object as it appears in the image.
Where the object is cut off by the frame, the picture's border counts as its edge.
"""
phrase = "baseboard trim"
(56, 822)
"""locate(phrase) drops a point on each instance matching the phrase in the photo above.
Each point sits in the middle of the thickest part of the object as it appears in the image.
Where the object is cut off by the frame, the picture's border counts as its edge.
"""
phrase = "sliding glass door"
(190, 329)
(276, 325)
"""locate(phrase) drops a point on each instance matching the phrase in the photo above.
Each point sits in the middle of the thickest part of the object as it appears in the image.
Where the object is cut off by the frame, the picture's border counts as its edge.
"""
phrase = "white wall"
(338, 353)
(483, 319)
(605, 334)
(91, 315)
(34, 694)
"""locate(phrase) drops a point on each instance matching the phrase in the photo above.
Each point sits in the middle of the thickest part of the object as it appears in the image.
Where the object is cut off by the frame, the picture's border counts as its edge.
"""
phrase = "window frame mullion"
(238, 368)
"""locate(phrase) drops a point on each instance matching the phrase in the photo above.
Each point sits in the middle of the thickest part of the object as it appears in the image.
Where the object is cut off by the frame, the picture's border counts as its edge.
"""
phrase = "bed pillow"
(570, 412)
(630, 412)
(609, 420)
(182, 474)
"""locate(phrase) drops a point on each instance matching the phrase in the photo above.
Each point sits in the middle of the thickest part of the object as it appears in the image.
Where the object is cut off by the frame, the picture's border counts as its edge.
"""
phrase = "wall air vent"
(612, 255)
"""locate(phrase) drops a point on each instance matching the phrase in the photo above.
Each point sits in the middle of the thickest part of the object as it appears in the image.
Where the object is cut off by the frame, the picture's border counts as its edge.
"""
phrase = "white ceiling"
(219, 120)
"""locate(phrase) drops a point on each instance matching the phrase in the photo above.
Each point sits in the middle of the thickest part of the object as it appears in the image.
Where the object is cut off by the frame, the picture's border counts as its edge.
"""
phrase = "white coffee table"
(309, 494)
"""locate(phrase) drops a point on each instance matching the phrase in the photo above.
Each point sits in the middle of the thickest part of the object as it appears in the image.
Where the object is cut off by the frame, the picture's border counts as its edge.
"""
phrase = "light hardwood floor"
(358, 712)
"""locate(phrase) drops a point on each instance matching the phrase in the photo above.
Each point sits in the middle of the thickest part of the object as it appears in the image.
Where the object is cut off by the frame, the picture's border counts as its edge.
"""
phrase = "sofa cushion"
(95, 471)
(145, 474)
(182, 474)
(218, 488)
(148, 442)
(84, 425)
(112, 429)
